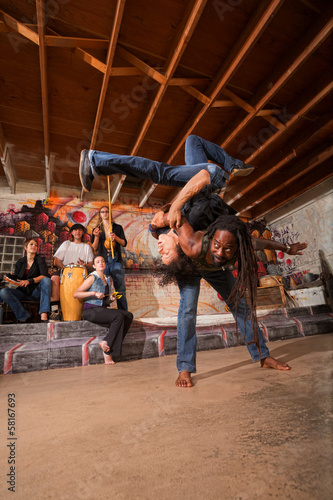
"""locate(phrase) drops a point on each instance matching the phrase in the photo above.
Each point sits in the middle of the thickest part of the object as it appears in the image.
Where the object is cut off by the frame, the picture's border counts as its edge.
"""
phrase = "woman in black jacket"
(33, 284)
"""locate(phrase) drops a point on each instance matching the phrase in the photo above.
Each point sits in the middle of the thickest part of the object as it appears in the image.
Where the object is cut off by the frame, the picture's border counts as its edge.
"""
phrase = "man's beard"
(217, 263)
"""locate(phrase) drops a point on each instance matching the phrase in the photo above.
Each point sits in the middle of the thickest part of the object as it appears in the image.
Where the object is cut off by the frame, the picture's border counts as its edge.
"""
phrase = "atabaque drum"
(72, 277)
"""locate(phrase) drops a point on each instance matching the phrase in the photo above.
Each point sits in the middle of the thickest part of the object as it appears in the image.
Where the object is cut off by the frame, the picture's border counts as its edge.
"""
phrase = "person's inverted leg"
(95, 163)
(199, 150)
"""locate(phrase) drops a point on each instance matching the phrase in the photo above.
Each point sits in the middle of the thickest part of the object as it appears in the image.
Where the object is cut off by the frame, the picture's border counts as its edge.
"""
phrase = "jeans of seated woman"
(222, 282)
(14, 296)
(116, 271)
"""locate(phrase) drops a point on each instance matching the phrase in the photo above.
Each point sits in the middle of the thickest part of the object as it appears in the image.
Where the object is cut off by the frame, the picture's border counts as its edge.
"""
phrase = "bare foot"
(108, 359)
(104, 346)
(43, 316)
(274, 363)
(184, 380)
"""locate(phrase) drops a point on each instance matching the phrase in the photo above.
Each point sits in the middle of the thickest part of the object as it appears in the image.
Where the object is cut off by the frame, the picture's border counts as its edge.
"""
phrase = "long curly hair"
(176, 271)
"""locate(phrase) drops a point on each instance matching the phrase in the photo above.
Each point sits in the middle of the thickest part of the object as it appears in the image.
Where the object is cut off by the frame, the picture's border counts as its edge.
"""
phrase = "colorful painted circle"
(79, 217)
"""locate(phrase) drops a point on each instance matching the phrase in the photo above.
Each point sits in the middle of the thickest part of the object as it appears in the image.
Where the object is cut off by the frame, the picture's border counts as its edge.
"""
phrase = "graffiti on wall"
(49, 221)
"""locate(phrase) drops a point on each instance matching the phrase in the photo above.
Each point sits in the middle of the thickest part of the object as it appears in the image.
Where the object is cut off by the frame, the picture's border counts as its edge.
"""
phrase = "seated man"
(73, 251)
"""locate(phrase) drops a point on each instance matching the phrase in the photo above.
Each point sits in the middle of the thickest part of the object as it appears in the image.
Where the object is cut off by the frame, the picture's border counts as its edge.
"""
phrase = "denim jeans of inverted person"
(198, 150)
(160, 173)
(116, 271)
(222, 282)
(14, 296)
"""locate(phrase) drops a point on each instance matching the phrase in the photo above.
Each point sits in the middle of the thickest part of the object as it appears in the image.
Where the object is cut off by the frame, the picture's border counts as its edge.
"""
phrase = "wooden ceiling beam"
(323, 172)
(195, 93)
(41, 23)
(145, 68)
(182, 38)
(259, 21)
(179, 82)
(224, 104)
(20, 28)
(72, 42)
(231, 197)
(6, 162)
(310, 101)
(119, 11)
(314, 37)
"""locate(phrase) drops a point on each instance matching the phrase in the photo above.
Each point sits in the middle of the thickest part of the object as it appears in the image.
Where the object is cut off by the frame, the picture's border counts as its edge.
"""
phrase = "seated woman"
(33, 284)
(94, 291)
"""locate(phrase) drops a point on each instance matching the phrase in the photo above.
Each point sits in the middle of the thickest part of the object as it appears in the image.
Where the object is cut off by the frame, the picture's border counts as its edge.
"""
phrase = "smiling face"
(167, 247)
(99, 263)
(31, 247)
(223, 247)
(77, 235)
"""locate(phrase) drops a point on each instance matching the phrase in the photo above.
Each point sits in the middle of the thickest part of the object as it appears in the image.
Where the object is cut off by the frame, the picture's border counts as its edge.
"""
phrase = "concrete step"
(40, 346)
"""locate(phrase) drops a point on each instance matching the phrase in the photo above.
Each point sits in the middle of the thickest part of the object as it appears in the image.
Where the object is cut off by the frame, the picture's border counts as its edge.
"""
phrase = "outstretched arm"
(293, 249)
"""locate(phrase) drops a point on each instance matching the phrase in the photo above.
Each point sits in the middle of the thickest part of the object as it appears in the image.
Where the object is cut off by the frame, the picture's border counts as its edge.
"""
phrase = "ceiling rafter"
(303, 167)
(314, 100)
(323, 169)
(314, 37)
(41, 23)
(145, 68)
(319, 127)
(20, 28)
(109, 61)
(259, 21)
(6, 162)
(182, 39)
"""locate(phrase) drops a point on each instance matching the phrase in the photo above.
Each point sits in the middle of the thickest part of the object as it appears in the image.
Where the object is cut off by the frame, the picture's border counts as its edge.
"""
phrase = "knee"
(55, 280)
(46, 282)
(4, 294)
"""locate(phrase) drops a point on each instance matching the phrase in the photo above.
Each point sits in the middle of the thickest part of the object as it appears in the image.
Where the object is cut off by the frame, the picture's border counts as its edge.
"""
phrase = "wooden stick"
(110, 227)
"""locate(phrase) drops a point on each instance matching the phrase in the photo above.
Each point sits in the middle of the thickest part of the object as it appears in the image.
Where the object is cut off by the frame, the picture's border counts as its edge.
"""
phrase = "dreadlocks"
(246, 280)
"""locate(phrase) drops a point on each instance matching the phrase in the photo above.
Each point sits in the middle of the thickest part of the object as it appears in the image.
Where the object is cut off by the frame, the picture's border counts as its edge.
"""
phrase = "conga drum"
(72, 277)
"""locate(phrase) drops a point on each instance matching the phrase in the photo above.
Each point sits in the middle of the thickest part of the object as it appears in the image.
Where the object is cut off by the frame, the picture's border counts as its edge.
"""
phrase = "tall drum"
(72, 277)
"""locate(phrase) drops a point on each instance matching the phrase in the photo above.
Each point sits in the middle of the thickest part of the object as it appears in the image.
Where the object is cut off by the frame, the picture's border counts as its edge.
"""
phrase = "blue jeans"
(13, 297)
(222, 282)
(160, 173)
(116, 271)
(198, 150)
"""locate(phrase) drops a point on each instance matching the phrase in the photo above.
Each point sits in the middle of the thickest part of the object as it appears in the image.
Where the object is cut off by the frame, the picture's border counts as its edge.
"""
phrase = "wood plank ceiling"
(138, 76)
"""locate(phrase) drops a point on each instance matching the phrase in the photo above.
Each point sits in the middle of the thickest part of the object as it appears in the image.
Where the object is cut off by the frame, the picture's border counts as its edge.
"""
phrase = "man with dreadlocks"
(211, 255)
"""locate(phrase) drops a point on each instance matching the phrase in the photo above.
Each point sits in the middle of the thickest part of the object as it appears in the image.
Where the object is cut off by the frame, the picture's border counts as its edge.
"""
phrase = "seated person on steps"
(73, 251)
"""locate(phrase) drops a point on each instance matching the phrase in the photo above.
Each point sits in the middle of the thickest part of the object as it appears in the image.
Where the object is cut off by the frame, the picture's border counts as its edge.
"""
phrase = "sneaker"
(55, 316)
(86, 175)
(242, 171)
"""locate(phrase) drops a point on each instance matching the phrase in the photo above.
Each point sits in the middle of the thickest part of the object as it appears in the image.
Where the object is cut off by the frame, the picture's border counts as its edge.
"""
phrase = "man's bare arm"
(262, 244)
(193, 187)
(190, 241)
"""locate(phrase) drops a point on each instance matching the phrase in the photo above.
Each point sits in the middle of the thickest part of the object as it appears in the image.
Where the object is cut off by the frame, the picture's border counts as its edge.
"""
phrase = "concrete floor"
(127, 432)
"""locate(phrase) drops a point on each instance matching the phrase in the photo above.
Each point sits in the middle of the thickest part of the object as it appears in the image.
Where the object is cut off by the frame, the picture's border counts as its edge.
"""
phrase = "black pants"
(119, 322)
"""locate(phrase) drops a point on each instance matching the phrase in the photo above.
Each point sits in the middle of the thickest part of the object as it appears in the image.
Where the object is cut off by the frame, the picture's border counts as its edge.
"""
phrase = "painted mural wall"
(49, 221)
(312, 223)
